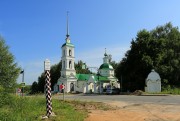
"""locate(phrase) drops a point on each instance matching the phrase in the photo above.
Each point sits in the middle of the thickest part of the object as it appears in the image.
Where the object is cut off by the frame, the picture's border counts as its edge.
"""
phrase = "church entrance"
(91, 87)
(71, 87)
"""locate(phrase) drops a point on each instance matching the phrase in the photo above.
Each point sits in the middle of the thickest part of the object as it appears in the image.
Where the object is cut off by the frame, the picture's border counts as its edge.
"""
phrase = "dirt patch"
(82, 105)
(136, 112)
(137, 92)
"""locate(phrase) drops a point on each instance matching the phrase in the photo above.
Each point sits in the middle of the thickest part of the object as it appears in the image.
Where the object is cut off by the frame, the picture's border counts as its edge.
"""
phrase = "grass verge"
(14, 108)
(171, 90)
(32, 108)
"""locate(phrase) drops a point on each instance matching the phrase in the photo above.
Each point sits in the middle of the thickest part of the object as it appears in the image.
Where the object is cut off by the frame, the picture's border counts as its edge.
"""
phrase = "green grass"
(171, 90)
(167, 90)
(13, 108)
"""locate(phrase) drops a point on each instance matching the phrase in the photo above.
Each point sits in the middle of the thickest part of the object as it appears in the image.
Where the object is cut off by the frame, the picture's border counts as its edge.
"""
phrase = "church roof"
(153, 76)
(68, 44)
(85, 77)
(106, 66)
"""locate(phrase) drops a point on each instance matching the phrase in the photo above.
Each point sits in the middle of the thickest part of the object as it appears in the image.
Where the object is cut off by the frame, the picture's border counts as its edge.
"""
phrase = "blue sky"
(36, 29)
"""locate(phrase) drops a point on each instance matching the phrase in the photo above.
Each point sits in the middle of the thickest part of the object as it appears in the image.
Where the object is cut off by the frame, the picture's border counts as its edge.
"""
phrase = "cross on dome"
(105, 54)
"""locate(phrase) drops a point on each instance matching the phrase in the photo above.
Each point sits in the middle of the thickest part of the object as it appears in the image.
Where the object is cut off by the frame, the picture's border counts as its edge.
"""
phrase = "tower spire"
(67, 35)
(105, 54)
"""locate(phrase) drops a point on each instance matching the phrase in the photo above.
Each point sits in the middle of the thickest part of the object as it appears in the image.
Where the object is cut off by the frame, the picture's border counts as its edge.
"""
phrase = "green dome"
(106, 66)
(68, 44)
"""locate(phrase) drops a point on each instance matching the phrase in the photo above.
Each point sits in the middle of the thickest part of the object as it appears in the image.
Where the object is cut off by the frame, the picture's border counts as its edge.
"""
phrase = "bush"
(5, 98)
(170, 90)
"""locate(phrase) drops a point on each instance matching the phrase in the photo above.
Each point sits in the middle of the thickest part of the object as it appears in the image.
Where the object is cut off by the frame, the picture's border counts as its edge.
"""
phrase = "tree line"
(157, 49)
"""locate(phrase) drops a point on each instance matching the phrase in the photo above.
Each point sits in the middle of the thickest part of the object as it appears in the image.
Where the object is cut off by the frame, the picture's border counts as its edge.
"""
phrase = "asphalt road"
(162, 99)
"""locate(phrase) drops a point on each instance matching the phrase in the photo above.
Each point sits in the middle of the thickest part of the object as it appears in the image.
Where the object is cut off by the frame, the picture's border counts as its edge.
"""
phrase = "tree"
(41, 83)
(79, 69)
(9, 71)
(34, 88)
(114, 64)
(157, 49)
(55, 73)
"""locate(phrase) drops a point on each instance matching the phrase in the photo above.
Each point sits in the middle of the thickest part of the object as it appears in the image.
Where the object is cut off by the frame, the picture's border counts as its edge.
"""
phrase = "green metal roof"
(106, 66)
(83, 77)
(101, 78)
(68, 44)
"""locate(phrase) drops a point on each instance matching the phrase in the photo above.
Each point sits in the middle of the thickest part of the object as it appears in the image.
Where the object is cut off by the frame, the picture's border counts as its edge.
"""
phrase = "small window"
(70, 65)
(70, 53)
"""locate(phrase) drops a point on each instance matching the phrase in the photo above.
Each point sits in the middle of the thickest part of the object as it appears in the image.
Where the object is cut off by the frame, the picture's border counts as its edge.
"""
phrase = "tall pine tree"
(9, 70)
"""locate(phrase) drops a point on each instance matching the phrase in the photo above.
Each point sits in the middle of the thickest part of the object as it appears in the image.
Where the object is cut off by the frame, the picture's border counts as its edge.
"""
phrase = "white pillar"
(87, 88)
(94, 87)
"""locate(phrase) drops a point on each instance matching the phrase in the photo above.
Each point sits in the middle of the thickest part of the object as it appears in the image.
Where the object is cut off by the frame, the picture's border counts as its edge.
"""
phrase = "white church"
(84, 83)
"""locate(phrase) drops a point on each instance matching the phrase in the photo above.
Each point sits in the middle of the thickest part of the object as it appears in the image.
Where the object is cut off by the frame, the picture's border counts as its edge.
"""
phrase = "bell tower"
(68, 58)
(68, 72)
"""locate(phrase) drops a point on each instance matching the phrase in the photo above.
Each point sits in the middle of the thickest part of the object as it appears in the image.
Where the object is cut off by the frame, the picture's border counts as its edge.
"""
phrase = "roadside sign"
(62, 86)
(23, 84)
(47, 65)
(19, 90)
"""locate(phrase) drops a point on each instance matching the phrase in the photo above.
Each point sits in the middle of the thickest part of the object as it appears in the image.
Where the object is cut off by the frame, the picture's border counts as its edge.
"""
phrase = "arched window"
(70, 53)
(70, 65)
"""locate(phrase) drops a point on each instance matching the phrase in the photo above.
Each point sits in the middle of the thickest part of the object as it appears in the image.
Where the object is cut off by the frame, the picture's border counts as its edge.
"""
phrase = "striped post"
(48, 88)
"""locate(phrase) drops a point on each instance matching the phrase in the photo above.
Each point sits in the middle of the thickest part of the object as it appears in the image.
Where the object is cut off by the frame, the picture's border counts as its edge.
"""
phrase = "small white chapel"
(153, 82)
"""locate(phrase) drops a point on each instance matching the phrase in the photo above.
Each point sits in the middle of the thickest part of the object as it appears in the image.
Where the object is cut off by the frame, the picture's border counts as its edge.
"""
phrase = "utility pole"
(22, 84)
